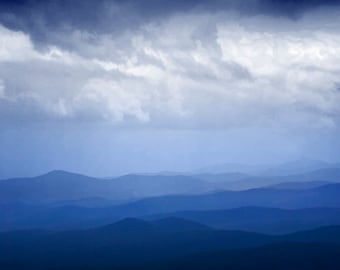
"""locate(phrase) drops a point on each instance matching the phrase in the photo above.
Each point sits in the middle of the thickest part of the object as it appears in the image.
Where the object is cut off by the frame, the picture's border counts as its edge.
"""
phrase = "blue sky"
(111, 87)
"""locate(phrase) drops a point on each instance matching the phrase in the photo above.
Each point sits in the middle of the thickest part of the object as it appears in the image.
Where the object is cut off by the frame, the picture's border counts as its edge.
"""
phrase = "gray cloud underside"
(197, 68)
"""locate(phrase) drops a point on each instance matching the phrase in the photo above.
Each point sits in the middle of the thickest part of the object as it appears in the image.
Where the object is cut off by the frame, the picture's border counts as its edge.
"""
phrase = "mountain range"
(286, 217)
(300, 209)
(59, 186)
(138, 244)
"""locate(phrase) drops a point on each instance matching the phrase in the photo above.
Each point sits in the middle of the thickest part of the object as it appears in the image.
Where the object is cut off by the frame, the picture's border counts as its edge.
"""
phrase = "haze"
(112, 87)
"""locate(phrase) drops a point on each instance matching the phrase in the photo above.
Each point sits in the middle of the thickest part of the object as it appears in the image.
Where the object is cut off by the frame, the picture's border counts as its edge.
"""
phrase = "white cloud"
(189, 70)
(111, 100)
(2, 89)
(268, 53)
(15, 46)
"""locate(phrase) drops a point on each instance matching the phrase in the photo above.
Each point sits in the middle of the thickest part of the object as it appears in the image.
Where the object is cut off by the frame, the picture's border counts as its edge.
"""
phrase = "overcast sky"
(112, 87)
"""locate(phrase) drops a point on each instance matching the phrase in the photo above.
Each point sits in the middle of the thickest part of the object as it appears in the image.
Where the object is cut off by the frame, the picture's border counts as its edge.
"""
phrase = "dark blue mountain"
(324, 196)
(122, 242)
(278, 256)
(259, 219)
(63, 188)
(168, 244)
(57, 199)
(60, 186)
(235, 181)
(255, 217)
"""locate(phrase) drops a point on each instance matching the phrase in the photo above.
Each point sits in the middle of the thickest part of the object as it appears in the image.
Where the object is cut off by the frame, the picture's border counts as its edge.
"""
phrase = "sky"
(113, 87)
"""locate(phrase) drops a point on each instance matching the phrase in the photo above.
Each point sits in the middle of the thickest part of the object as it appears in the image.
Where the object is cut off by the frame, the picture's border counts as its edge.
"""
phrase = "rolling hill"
(257, 210)
(237, 181)
(260, 219)
(166, 243)
(58, 186)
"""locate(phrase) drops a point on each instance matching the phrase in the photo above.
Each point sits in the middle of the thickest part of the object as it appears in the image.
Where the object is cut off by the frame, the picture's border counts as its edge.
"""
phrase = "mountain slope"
(324, 196)
(23, 216)
(235, 181)
(164, 244)
(58, 186)
(262, 220)
(278, 256)
(123, 241)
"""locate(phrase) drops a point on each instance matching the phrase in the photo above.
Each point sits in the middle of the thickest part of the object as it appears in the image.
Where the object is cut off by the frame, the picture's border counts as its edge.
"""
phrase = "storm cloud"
(174, 65)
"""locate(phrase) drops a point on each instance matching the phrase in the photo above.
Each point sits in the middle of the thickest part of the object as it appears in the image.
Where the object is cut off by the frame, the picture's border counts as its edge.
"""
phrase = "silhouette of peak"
(174, 224)
(171, 224)
(62, 174)
(129, 225)
(58, 172)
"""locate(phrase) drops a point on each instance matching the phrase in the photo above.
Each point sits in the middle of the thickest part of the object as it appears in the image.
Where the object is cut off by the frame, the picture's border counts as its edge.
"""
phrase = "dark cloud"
(292, 8)
(39, 17)
(142, 84)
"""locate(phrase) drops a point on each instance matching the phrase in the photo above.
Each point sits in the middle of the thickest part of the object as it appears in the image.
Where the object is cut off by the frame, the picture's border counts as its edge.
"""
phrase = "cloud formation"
(105, 87)
(188, 70)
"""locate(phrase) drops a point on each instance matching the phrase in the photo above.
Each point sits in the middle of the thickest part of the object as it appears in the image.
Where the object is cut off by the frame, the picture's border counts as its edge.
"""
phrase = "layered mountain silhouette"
(62, 187)
(59, 186)
(260, 219)
(134, 243)
(256, 210)
(324, 196)
(237, 181)
(299, 166)
(210, 220)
